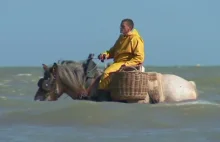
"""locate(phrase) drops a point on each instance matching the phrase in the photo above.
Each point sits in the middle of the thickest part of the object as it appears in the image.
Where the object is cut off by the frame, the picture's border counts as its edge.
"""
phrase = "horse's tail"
(193, 83)
(195, 88)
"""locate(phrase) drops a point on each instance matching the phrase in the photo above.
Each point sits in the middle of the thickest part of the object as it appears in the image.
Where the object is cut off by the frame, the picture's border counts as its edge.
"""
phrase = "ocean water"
(23, 120)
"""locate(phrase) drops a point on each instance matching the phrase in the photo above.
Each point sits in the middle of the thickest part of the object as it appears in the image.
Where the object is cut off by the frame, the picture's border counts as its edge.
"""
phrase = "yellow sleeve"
(137, 45)
(110, 53)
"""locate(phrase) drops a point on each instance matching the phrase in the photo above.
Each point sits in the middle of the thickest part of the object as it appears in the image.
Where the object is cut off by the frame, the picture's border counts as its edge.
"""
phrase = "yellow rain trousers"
(128, 50)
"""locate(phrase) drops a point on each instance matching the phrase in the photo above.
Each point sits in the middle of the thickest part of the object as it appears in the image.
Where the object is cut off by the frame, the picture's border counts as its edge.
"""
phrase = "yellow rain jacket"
(128, 50)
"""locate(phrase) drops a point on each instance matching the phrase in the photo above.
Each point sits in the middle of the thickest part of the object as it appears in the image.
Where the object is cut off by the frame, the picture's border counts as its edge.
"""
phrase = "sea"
(24, 120)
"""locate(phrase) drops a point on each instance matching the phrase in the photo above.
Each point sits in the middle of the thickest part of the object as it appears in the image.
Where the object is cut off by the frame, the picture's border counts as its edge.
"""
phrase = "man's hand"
(123, 66)
(102, 57)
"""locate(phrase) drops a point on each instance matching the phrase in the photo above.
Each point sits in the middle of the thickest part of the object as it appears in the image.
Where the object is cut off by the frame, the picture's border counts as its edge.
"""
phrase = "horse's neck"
(91, 85)
(94, 87)
(70, 94)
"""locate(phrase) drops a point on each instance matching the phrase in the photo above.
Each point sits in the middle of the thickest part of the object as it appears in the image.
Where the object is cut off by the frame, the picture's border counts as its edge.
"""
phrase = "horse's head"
(48, 89)
(68, 77)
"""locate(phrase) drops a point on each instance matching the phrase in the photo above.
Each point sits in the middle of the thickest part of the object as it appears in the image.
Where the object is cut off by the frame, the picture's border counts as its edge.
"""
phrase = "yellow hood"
(128, 49)
(134, 32)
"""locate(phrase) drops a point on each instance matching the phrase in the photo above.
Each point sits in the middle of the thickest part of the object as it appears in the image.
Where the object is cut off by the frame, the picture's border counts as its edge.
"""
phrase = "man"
(128, 50)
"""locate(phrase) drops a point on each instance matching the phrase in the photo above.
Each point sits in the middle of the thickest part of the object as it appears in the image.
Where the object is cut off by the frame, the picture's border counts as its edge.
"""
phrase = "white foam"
(3, 97)
(198, 102)
(4, 85)
(24, 74)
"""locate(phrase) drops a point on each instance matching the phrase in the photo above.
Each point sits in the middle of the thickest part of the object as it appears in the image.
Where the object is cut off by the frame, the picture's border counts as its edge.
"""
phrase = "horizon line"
(9, 66)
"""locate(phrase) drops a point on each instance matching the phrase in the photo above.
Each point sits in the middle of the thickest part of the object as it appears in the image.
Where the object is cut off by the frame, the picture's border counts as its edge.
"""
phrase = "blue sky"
(176, 32)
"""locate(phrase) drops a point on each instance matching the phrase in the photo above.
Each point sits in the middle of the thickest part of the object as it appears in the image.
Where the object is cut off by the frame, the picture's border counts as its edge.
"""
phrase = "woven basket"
(129, 85)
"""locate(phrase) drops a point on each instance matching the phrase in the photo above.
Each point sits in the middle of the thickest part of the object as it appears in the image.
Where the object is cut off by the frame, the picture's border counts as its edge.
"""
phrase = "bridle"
(52, 83)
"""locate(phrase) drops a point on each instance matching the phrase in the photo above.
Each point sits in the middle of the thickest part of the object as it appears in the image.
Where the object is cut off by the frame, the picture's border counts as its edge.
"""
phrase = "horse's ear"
(45, 67)
(54, 68)
(55, 65)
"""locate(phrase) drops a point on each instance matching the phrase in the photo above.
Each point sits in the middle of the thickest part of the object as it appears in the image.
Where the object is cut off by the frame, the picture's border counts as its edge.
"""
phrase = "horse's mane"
(71, 74)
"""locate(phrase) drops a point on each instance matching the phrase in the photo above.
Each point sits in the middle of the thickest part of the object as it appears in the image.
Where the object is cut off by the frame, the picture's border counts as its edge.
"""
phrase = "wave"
(68, 112)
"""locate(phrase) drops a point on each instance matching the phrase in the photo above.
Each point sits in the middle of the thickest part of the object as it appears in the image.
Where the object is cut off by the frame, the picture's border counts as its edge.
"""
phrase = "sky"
(176, 32)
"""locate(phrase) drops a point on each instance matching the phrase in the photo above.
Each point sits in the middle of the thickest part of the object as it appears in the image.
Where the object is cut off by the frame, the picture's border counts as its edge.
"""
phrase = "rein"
(85, 93)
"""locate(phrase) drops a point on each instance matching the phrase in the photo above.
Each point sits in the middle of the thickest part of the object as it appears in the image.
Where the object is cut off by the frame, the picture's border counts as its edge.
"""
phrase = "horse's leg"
(177, 89)
(102, 95)
(145, 101)
(97, 95)
(52, 98)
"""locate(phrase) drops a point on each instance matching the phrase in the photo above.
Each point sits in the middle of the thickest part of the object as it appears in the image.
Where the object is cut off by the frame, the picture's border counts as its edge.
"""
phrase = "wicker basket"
(129, 85)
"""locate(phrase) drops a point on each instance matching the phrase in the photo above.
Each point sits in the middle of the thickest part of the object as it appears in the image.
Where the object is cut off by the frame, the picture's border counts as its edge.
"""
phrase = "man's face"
(124, 28)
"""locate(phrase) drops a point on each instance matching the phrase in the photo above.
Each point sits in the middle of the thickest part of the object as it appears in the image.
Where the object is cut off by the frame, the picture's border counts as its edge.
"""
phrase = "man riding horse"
(128, 50)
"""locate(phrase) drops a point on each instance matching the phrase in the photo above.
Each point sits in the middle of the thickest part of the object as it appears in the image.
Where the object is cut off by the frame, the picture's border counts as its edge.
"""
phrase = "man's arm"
(110, 53)
(137, 45)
